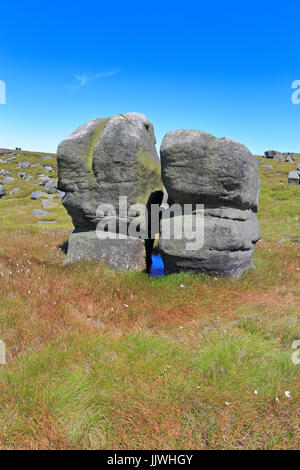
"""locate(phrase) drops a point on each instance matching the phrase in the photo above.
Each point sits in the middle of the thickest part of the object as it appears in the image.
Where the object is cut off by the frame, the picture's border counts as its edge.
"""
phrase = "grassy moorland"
(99, 359)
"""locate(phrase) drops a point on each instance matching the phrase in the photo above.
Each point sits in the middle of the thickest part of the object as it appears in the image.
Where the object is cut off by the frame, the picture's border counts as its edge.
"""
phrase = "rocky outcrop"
(103, 160)
(124, 253)
(279, 156)
(221, 174)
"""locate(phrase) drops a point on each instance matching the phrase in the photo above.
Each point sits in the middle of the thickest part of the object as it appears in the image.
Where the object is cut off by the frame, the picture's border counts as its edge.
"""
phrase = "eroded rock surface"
(221, 174)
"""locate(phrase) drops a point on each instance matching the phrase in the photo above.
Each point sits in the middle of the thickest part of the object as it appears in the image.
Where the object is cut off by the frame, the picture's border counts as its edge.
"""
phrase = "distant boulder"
(293, 177)
(103, 160)
(46, 204)
(42, 180)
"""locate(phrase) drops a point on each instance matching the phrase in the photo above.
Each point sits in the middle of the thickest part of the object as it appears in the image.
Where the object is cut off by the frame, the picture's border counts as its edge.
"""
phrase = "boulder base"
(123, 253)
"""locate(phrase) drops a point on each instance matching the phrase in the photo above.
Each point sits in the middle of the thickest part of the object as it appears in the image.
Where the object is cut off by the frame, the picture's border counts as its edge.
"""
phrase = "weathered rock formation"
(103, 160)
(221, 174)
(294, 177)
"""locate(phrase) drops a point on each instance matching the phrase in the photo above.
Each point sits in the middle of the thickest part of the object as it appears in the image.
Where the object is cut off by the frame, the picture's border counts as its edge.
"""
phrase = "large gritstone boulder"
(104, 161)
(293, 177)
(221, 175)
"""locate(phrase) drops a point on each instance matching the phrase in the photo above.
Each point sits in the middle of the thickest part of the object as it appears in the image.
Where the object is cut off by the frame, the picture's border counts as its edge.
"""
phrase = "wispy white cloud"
(85, 79)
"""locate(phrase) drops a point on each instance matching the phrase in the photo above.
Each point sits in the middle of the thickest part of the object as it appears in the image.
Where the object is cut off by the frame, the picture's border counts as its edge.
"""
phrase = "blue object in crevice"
(157, 267)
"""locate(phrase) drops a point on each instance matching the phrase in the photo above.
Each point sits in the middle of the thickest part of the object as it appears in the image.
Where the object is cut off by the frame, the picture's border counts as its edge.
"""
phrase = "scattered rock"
(43, 180)
(8, 179)
(14, 190)
(122, 161)
(22, 175)
(121, 254)
(279, 157)
(267, 167)
(46, 157)
(48, 169)
(271, 153)
(46, 204)
(50, 186)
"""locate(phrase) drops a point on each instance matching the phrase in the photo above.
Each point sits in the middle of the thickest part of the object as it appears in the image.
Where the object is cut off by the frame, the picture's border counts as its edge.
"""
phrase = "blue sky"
(223, 67)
